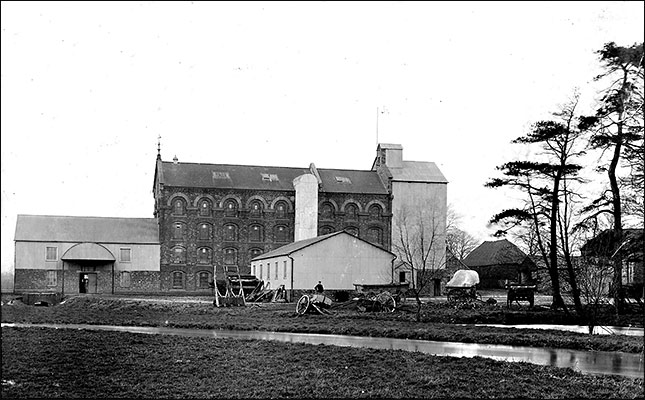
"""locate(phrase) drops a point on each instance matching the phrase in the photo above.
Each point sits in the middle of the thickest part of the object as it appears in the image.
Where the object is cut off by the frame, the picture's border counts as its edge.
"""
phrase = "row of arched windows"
(205, 255)
(231, 232)
(231, 208)
(203, 279)
(256, 209)
(327, 211)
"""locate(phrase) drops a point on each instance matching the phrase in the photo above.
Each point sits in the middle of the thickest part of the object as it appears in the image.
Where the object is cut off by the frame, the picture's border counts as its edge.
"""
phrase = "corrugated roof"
(495, 253)
(418, 171)
(52, 228)
(228, 176)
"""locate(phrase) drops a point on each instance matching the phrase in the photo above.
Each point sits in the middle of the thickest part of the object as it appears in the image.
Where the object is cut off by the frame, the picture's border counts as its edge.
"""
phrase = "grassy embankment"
(71, 363)
(439, 321)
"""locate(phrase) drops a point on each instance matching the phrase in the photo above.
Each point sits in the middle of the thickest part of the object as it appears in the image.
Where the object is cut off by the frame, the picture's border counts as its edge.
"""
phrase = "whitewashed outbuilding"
(339, 260)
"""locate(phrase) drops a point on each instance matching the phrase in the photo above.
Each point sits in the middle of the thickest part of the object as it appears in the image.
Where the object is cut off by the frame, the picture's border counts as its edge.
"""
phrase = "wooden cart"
(517, 293)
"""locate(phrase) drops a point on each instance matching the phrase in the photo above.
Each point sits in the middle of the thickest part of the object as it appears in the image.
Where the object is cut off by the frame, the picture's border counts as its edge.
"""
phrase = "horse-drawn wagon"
(462, 288)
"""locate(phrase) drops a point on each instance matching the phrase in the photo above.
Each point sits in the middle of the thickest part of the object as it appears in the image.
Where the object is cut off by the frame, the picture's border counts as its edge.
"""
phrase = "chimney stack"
(306, 216)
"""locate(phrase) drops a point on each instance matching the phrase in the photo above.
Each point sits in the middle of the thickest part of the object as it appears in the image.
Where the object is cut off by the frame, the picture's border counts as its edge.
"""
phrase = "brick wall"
(244, 220)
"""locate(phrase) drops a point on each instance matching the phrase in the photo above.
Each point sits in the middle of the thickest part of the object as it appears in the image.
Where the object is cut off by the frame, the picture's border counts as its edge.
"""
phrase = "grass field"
(74, 363)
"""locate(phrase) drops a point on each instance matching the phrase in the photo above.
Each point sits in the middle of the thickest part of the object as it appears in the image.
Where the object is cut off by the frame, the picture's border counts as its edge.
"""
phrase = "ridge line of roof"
(83, 216)
(268, 166)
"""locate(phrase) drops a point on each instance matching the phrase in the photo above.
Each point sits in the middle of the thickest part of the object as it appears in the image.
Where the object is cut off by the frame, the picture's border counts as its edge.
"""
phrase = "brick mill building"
(215, 218)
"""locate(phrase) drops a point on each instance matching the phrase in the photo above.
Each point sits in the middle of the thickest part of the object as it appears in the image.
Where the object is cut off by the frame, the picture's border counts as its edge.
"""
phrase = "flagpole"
(377, 126)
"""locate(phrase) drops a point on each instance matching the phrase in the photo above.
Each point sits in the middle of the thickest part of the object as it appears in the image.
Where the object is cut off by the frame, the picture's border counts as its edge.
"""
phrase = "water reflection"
(598, 330)
(589, 362)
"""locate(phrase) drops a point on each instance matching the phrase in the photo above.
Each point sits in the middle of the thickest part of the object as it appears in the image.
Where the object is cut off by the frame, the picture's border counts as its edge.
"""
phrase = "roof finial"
(159, 147)
(175, 159)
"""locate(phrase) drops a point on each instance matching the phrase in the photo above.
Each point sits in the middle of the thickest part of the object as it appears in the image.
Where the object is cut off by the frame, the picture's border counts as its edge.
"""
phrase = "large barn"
(72, 255)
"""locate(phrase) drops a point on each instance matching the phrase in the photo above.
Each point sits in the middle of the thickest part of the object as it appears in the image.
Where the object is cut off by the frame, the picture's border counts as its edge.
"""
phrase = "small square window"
(126, 255)
(52, 254)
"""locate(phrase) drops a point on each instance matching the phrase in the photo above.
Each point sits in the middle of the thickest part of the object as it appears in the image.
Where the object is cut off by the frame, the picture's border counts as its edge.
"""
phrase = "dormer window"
(269, 177)
(220, 175)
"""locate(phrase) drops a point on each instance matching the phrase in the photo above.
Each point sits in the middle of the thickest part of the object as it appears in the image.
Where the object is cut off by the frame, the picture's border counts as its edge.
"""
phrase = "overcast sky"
(88, 87)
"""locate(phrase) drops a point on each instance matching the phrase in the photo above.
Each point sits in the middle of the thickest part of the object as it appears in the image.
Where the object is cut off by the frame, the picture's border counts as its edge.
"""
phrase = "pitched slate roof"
(418, 171)
(301, 244)
(54, 228)
(495, 253)
(225, 176)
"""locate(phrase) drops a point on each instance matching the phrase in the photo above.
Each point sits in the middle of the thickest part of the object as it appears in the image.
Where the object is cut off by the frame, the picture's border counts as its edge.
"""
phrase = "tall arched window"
(254, 253)
(178, 255)
(204, 255)
(255, 233)
(179, 207)
(375, 211)
(204, 231)
(351, 211)
(327, 211)
(280, 234)
(204, 278)
(178, 231)
(375, 235)
(256, 209)
(230, 232)
(230, 256)
(230, 208)
(280, 209)
(205, 208)
(178, 281)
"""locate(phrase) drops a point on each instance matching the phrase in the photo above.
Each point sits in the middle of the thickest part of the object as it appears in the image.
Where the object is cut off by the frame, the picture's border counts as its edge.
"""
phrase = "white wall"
(340, 262)
(427, 201)
(274, 282)
(31, 255)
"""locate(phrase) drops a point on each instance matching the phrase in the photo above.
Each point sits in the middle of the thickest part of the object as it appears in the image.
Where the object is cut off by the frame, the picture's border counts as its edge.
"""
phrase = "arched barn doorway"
(88, 268)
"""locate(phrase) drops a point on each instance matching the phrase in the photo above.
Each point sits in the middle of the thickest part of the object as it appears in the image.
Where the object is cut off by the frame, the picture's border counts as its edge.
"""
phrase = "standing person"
(319, 287)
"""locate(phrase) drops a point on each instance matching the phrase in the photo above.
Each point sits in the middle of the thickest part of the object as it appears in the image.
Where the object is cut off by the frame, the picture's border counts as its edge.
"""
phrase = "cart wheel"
(388, 303)
(302, 305)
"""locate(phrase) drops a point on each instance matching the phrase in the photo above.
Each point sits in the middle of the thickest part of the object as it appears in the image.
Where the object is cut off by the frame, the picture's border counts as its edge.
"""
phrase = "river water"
(598, 330)
(588, 362)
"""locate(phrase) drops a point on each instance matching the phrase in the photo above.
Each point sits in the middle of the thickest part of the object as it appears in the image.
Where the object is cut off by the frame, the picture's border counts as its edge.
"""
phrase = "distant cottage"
(498, 262)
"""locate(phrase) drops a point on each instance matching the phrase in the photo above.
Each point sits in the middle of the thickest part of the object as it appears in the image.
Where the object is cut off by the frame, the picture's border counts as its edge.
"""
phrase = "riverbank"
(440, 322)
(65, 363)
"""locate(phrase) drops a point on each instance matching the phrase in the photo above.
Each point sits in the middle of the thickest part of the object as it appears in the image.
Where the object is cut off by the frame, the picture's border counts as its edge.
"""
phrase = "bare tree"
(419, 243)
(460, 243)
